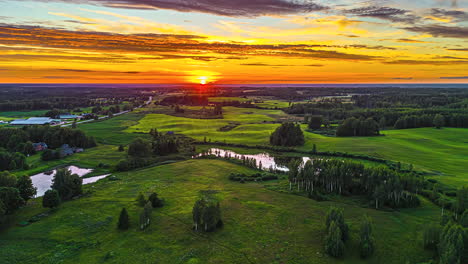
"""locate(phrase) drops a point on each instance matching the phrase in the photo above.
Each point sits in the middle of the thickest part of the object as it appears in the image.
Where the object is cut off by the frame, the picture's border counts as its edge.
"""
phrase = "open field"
(110, 131)
(7, 116)
(261, 225)
(443, 152)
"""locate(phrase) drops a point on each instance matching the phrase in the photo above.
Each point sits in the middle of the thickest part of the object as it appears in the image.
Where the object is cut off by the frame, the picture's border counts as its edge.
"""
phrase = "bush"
(124, 221)
(334, 246)
(155, 201)
(51, 199)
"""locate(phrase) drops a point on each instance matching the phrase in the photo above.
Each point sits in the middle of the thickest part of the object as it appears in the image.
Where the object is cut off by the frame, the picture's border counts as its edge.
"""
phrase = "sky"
(233, 41)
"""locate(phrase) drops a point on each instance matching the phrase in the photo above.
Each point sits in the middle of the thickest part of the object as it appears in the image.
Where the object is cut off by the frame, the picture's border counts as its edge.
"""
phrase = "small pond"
(43, 181)
(268, 161)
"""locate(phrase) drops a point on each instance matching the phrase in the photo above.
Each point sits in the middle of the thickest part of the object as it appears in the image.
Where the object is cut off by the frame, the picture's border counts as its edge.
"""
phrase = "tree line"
(382, 186)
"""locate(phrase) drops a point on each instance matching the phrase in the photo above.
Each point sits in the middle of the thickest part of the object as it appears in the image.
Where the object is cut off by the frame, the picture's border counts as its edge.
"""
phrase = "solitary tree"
(145, 216)
(51, 199)
(155, 201)
(121, 148)
(67, 184)
(315, 122)
(439, 121)
(366, 244)
(124, 221)
(334, 246)
(139, 148)
(26, 188)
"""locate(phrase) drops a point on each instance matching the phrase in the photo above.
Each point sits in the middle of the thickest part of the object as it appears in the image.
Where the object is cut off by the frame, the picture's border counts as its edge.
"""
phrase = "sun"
(203, 80)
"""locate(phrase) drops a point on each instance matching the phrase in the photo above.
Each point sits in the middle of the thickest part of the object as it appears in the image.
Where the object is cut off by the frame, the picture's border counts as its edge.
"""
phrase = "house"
(35, 121)
(39, 146)
(65, 150)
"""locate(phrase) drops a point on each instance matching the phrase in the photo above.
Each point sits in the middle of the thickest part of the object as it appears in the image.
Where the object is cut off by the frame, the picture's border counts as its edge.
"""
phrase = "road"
(106, 117)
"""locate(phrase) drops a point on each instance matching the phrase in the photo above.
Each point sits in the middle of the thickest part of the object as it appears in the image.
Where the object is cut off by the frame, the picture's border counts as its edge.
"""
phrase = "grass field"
(261, 225)
(110, 131)
(7, 116)
(443, 152)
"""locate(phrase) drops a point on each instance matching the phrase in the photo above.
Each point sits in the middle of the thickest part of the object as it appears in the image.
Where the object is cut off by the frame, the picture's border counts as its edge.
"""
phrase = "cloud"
(455, 78)
(403, 78)
(440, 14)
(441, 31)
(383, 12)
(427, 62)
(405, 40)
(232, 8)
(464, 49)
(280, 65)
(161, 46)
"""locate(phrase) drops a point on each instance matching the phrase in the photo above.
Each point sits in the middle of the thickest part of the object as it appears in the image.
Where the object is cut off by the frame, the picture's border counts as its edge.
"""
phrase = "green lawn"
(442, 152)
(261, 225)
(110, 131)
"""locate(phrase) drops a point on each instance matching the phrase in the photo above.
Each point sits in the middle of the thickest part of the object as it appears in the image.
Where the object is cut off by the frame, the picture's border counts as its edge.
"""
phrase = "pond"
(43, 181)
(267, 161)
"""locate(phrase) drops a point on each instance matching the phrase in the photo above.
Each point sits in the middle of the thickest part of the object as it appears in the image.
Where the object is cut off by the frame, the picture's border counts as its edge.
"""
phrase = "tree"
(74, 124)
(145, 216)
(451, 245)
(334, 246)
(49, 154)
(155, 201)
(431, 237)
(314, 149)
(67, 184)
(139, 148)
(26, 187)
(366, 244)
(336, 215)
(315, 122)
(11, 199)
(51, 199)
(124, 221)
(382, 122)
(439, 121)
(121, 148)
(141, 200)
(287, 135)
(206, 214)
(7, 179)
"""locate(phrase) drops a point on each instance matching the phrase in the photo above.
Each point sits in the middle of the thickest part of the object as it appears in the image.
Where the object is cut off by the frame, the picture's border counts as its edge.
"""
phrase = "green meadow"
(260, 225)
(442, 152)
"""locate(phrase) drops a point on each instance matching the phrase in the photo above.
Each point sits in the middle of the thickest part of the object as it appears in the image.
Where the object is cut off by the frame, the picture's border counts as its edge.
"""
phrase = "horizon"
(243, 43)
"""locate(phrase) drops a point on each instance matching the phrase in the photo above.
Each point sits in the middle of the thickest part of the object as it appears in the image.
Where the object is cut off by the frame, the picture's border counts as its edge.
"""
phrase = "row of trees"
(380, 184)
(287, 135)
(13, 139)
(353, 127)
(14, 193)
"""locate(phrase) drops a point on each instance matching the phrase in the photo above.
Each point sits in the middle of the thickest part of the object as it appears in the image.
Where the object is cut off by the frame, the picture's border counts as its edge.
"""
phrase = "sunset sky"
(234, 41)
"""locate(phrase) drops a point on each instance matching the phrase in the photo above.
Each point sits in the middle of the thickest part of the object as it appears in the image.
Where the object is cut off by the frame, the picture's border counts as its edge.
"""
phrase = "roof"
(68, 116)
(33, 121)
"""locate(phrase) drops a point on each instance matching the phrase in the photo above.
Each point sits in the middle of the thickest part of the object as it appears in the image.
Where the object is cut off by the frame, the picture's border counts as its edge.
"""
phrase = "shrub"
(124, 221)
(51, 199)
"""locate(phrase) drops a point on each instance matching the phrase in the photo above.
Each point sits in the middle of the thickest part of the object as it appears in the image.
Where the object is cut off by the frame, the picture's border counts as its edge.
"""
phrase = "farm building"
(35, 121)
(67, 116)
